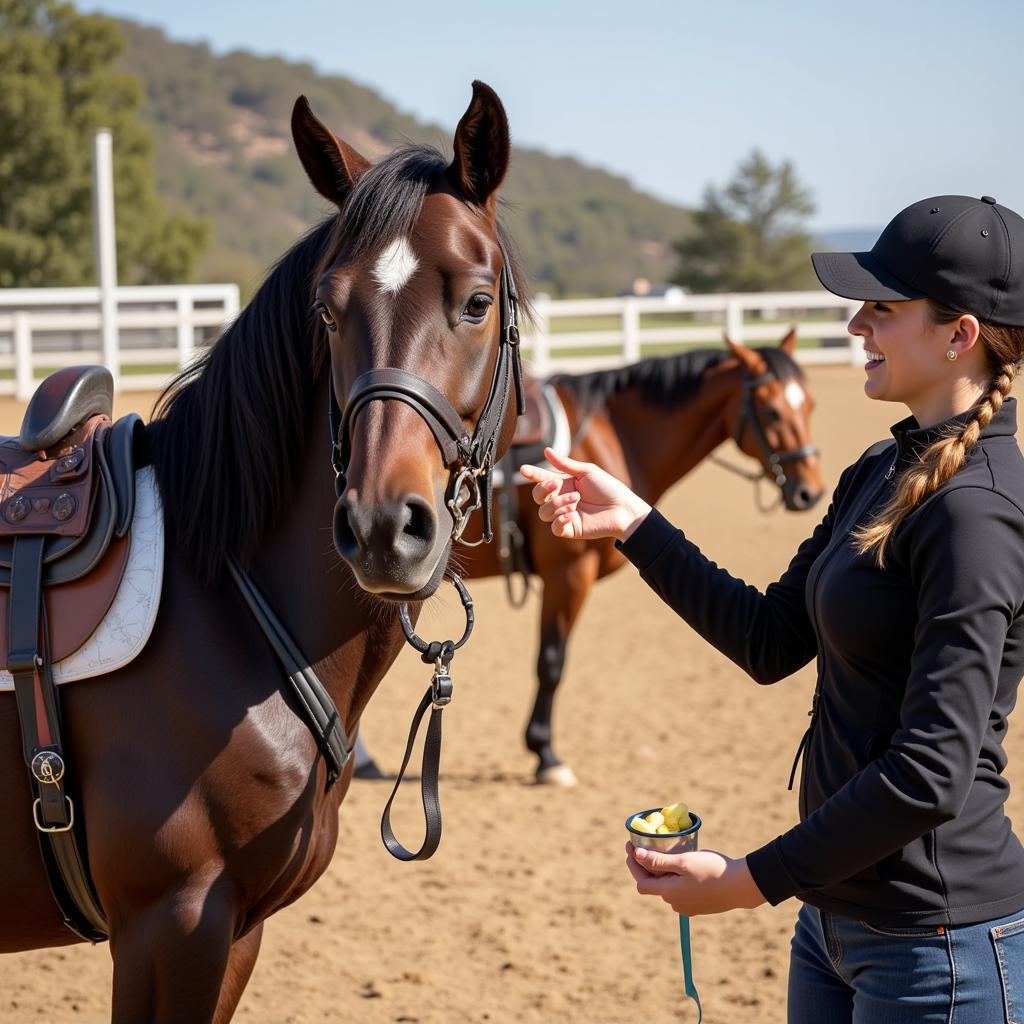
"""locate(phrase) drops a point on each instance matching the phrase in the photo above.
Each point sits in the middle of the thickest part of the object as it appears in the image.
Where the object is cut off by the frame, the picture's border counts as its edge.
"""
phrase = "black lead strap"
(437, 698)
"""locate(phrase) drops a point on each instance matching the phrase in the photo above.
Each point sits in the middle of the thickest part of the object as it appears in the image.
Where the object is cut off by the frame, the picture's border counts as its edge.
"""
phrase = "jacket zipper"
(816, 697)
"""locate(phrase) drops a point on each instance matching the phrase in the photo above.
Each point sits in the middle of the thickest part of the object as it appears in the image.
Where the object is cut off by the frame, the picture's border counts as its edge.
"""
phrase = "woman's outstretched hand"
(583, 502)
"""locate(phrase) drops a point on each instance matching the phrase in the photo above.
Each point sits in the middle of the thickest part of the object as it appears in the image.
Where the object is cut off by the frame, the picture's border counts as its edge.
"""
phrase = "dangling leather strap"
(53, 810)
(318, 709)
(436, 697)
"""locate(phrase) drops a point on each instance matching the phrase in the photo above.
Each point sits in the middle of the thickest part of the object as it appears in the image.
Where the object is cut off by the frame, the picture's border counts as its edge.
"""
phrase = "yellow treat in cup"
(641, 825)
(655, 819)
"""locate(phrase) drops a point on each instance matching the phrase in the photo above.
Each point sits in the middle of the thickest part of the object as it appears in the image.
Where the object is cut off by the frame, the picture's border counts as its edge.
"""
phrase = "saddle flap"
(74, 609)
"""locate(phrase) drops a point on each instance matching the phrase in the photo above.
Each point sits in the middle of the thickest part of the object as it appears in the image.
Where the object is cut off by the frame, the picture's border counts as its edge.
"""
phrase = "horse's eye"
(476, 308)
(325, 315)
(771, 414)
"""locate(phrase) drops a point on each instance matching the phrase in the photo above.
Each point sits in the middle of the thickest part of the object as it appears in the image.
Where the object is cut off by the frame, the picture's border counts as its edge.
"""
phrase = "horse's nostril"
(344, 536)
(420, 523)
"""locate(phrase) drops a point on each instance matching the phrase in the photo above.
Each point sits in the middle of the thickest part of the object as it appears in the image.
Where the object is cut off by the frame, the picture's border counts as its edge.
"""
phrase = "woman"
(910, 594)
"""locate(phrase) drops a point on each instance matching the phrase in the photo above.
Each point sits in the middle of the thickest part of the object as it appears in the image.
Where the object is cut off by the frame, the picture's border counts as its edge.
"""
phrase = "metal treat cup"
(667, 842)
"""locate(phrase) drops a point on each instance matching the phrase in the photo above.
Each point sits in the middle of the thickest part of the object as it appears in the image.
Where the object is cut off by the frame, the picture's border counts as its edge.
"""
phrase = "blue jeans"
(846, 972)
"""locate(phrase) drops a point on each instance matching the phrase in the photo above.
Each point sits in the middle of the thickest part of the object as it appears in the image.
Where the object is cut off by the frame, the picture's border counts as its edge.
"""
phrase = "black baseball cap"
(963, 252)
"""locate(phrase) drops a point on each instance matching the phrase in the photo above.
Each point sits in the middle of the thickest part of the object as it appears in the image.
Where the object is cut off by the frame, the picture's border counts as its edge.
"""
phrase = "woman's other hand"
(702, 882)
(583, 502)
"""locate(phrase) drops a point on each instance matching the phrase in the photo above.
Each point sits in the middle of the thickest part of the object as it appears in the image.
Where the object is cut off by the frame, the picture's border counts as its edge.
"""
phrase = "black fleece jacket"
(902, 791)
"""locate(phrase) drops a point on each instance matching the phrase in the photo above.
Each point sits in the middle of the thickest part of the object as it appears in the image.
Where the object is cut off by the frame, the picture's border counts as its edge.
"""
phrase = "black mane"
(226, 430)
(666, 380)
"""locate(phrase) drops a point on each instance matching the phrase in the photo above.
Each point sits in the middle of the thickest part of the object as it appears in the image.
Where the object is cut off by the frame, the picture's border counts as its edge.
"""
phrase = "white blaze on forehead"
(795, 394)
(395, 265)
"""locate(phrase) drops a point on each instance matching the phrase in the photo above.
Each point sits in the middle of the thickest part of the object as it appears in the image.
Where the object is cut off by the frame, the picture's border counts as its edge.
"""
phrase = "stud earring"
(951, 355)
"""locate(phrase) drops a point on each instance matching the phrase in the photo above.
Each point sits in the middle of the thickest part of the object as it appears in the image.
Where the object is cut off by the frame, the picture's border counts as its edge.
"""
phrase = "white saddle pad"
(126, 627)
(561, 443)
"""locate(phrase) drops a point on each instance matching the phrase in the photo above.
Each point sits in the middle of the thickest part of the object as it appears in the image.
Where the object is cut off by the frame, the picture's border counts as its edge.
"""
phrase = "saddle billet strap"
(38, 712)
(318, 709)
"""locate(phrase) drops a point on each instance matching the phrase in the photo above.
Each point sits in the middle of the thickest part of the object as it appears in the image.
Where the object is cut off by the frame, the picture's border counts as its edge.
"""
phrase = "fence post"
(630, 331)
(734, 319)
(24, 376)
(540, 337)
(106, 252)
(186, 330)
(857, 356)
(232, 303)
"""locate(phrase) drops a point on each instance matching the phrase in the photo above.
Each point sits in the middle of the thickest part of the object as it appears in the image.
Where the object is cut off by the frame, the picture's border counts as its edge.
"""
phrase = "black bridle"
(775, 460)
(469, 460)
(470, 464)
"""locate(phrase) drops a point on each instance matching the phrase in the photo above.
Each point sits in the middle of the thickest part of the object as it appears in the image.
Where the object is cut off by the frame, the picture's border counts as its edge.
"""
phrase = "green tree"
(57, 85)
(747, 236)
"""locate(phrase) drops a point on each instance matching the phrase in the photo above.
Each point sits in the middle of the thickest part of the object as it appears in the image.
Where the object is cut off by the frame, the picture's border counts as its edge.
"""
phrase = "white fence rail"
(157, 326)
(578, 335)
(160, 327)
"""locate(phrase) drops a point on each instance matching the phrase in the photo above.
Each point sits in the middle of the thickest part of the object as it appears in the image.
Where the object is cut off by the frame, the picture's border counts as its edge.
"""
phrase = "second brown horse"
(649, 424)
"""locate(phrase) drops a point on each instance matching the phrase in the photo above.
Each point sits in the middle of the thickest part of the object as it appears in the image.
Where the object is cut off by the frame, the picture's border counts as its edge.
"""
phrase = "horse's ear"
(333, 166)
(788, 343)
(752, 361)
(481, 146)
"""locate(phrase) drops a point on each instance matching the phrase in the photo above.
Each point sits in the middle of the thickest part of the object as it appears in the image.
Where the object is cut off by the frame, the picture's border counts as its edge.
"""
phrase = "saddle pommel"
(63, 401)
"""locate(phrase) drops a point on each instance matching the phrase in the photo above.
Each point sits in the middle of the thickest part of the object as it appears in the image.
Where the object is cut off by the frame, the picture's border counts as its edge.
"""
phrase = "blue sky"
(877, 104)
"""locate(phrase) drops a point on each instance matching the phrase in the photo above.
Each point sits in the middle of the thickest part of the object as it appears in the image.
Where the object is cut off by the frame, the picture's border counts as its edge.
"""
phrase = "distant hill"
(221, 126)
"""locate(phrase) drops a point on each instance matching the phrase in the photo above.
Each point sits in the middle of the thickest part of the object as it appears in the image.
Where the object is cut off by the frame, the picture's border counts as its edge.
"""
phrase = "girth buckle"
(54, 828)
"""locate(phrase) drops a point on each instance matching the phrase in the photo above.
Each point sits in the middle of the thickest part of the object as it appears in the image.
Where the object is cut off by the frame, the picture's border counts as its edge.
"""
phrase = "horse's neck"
(347, 636)
(663, 443)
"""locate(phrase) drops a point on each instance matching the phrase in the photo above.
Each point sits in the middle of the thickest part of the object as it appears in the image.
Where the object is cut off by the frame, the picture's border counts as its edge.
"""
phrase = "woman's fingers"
(570, 467)
(558, 504)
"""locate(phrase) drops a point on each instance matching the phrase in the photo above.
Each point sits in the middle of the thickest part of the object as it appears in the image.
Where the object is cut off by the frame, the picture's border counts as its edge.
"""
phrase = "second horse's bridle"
(469, 460)
(775, 460)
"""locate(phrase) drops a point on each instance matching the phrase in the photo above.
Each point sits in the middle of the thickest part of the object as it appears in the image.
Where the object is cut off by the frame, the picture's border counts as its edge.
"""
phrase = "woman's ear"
(966, 332)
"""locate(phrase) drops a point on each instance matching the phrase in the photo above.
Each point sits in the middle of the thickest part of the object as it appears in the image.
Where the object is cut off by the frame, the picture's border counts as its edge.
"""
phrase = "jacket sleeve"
(768, 635)
(965, 555)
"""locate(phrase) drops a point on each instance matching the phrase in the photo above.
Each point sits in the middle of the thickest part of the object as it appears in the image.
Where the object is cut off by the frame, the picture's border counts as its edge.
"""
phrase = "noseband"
(469, 460)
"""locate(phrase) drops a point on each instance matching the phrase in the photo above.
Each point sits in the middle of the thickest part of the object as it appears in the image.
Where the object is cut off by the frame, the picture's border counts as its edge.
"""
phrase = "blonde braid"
(938, 462)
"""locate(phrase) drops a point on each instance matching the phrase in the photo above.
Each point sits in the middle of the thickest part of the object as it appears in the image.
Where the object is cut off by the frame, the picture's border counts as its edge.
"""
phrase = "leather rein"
(470, 463)
(776, 460)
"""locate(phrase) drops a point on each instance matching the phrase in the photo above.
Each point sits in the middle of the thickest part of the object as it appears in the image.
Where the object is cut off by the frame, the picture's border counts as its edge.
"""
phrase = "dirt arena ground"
(526, 915)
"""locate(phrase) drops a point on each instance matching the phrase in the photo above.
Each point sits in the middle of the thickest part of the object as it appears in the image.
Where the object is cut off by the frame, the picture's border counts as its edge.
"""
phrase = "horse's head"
(419, 302)
(770, 420)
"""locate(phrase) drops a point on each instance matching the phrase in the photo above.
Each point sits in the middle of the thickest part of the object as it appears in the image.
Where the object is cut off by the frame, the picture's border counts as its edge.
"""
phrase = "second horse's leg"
(561, 604)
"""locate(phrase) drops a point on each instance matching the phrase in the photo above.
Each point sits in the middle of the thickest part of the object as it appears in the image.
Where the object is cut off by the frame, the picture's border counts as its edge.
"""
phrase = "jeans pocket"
(1008, 940)
(919, 932)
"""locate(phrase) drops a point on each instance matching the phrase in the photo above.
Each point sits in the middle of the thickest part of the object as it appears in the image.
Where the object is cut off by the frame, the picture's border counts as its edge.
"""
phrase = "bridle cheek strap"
(470, 461)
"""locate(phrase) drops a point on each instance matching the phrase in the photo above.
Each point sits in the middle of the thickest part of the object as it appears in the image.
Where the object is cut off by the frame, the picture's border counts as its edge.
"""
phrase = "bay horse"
(649, 424)
(203, 792)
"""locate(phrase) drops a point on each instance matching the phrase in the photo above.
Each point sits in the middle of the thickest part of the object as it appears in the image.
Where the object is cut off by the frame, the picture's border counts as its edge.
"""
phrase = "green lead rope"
(684, 946)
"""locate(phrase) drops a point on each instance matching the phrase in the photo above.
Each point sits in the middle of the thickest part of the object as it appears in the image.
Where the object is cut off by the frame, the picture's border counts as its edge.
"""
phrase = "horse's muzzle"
(393, 547)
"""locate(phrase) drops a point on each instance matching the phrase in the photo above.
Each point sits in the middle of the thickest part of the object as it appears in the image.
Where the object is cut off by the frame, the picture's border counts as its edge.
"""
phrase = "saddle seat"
(69, 478)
